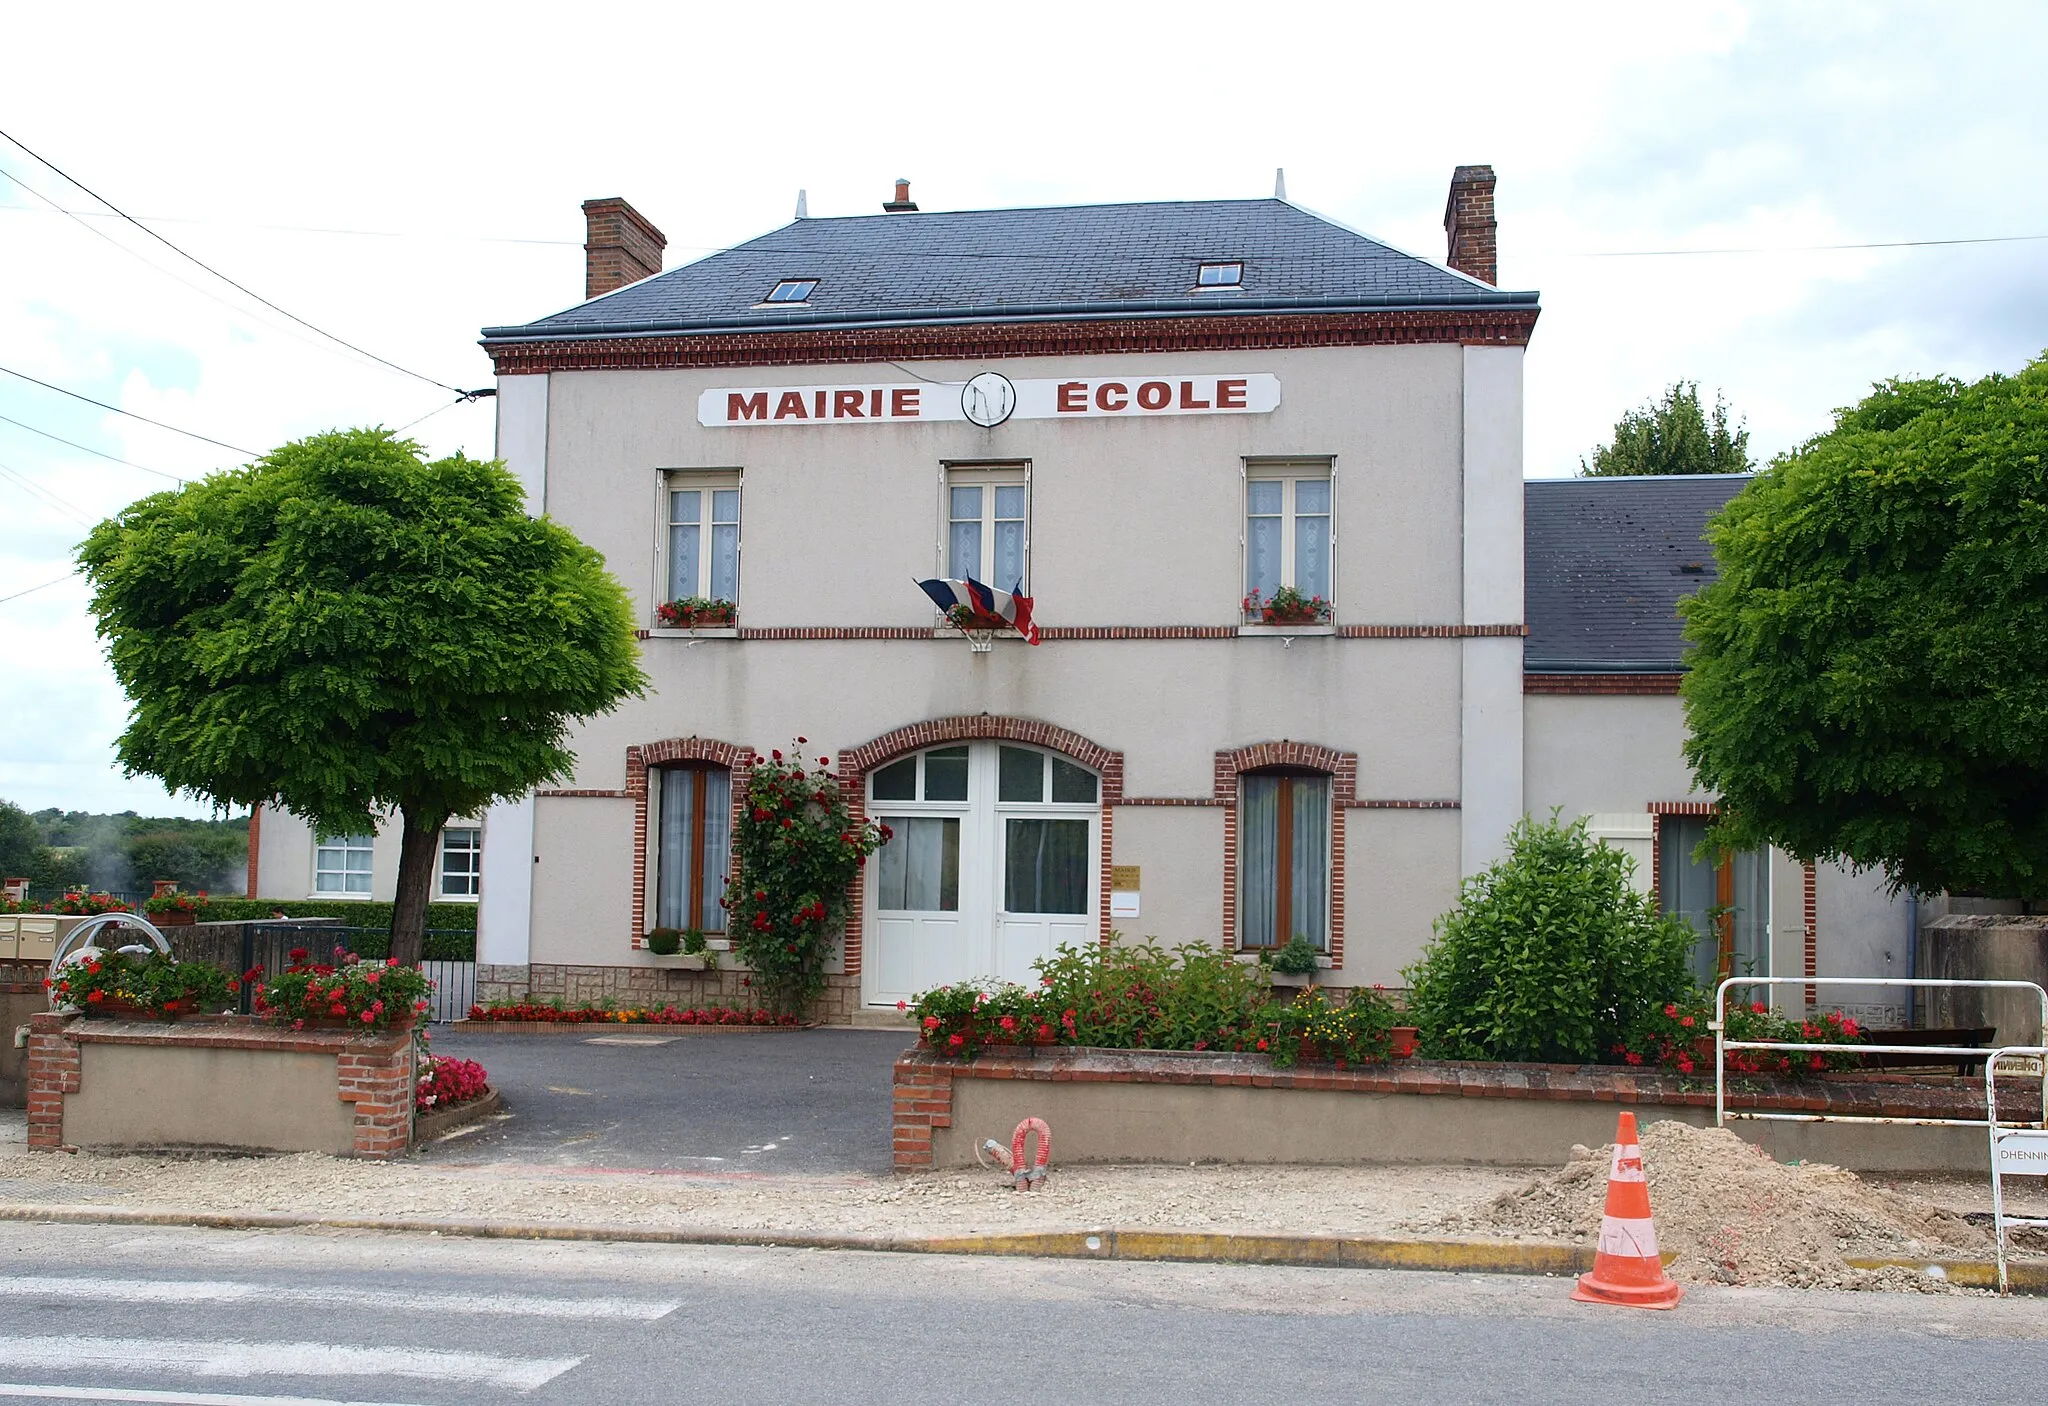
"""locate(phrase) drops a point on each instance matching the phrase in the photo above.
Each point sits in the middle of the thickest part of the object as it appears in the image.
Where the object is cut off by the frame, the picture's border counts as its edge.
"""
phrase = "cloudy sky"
(401, 175)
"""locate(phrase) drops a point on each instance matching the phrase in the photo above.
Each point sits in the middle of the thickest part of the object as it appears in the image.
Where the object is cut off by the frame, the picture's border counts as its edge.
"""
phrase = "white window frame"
(769, 300)
(473, 877)
(338, 848)
(705, 481)
(1288, 472)
(1204, 284)
(987, 477)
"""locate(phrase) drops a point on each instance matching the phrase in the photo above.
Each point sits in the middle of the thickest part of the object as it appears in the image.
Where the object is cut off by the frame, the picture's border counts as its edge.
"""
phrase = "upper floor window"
(1287, 530)
(462, 855)
(341, 865)
(704, 537)
(988, 526)
(792, 290)
(1220, 275)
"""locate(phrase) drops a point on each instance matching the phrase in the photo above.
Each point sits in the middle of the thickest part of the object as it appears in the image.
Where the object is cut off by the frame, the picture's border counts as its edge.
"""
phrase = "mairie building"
(1260, 478)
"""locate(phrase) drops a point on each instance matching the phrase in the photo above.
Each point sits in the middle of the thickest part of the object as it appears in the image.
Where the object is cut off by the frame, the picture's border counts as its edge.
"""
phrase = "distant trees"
(1868, 673)
(1673, 435)
(125, 852)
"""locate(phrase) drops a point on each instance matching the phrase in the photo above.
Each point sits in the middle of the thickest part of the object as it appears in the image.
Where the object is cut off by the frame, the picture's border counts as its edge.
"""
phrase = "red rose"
(1686, 1021)
(931, 1022)
(956, 1041)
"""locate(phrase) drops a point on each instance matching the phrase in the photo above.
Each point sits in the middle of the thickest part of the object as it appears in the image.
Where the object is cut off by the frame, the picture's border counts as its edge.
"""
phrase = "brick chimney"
(1469, 223)
(902, 204)
(620, 247)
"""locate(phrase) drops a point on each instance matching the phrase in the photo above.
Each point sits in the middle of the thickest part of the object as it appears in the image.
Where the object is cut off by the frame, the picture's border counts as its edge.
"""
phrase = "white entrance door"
(992, 863)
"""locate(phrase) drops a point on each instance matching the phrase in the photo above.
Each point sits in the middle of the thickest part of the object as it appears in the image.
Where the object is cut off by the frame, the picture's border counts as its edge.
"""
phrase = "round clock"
(988, 399)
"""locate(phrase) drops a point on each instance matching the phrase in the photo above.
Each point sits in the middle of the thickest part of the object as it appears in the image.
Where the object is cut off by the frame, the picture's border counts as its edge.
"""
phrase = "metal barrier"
(1722, 1044)
(2023, 1151)
(454, 990)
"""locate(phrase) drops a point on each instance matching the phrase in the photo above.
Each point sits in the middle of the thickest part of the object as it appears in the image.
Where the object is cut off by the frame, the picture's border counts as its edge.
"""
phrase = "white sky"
(458, 142)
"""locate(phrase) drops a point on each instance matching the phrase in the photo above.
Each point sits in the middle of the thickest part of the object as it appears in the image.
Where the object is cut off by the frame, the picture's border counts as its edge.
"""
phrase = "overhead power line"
(57, 581)
(189, 434)
(1803, 248)
(88, 449)
(62, 505)
(238, 287)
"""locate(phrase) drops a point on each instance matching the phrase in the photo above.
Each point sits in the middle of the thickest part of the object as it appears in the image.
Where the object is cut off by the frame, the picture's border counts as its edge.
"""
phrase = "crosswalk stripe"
(279, 1359)
(229, 1291)
(168, 1398)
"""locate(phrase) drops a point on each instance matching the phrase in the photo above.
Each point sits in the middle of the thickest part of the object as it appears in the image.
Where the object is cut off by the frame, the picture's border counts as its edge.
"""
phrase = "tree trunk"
(420, 839)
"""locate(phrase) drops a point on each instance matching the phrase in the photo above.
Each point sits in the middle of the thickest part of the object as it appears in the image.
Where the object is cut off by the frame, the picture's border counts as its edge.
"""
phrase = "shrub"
(798, 849)
(78, 902)
(1676, 1036)
(354, 912)
(1359, 1030)
(350, 991)
(447, 1081)
(1297, 958)
(1142, 997)
(112, 983)
(665, 942)
(1550, 955)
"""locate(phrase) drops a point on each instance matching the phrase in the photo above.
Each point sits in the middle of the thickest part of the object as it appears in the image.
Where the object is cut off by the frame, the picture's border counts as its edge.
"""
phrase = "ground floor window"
(341, 865)
(1725, 896)
(462, 854)
(1283, 886)
(693, 846)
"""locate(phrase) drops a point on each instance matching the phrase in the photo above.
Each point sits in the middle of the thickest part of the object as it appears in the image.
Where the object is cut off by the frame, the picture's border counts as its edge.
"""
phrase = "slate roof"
(986, 265)
(1605, 563)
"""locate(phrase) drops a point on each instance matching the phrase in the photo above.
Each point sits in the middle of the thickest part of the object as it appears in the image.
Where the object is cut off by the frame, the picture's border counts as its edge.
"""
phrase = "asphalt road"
(216, 1318)
(800, 1101)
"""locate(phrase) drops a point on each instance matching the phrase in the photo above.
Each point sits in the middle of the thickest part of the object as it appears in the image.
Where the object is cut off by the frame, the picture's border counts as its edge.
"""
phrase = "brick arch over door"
(732, 756)
(856, 762)
(1340, 767)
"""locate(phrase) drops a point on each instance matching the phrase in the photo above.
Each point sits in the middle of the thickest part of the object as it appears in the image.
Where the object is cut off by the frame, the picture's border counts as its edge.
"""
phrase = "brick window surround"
(856, 762)
(1340, 767)
(735, 758)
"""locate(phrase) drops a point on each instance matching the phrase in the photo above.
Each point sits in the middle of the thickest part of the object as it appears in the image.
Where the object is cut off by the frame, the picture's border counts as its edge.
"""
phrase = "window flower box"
(1286, 606)
(962, 617)
(168, 908)
(697, 613)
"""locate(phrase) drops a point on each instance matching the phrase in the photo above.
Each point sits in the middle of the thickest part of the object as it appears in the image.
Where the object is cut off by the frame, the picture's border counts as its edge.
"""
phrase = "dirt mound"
(1734, 1216)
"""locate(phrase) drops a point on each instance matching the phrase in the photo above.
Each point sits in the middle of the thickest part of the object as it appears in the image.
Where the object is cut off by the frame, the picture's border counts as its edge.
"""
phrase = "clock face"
(988, 399)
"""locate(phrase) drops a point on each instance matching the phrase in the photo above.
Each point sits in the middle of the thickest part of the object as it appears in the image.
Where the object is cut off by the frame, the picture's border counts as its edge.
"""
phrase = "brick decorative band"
(987, 341)
(1361, 804)
(923, 1092)
(1123, 632)
(587, 793)
(1608, 685)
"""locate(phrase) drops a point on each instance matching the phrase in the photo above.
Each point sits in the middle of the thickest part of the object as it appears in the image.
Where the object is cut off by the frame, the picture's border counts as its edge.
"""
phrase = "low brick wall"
(651, 986)
(1140, 1106)
(225, 1083)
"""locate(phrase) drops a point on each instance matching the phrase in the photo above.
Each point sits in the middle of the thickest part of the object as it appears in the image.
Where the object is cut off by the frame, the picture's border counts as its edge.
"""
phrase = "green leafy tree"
(344, 631)
(1550, 954)
(1869, 674)
(1673, 435)
(21, 842)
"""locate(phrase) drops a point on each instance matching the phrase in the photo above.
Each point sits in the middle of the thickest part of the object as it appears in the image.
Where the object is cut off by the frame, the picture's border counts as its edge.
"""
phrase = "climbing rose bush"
(797, 849)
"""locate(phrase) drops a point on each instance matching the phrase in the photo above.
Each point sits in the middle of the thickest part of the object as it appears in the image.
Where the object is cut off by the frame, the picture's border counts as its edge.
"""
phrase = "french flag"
(1008, 606)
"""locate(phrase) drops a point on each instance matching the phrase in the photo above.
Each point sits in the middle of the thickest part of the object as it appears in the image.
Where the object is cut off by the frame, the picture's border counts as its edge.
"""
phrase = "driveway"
(624, 1097)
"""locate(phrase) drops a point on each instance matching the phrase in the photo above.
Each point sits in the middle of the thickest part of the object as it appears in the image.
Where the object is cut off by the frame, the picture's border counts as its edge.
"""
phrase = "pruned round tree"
(1869, 674)
(345, 631)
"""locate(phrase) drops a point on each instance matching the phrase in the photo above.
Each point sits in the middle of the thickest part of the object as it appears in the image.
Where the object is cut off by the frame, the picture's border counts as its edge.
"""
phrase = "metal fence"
(271, 946)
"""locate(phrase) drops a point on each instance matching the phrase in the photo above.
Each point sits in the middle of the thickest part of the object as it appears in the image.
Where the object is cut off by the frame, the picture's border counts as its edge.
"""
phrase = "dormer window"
(791, 290)
(1220, 275)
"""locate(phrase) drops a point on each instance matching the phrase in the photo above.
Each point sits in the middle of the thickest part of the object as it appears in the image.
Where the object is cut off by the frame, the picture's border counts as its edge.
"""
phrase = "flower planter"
(342, 1022)
(1404, 1041)
(703, 620)
(975, 620)
(175, 918)
(1290, 617)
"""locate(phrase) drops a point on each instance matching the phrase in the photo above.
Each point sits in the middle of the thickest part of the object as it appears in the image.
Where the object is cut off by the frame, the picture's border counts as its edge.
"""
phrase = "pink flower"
(903, 1005)
(369, 1017)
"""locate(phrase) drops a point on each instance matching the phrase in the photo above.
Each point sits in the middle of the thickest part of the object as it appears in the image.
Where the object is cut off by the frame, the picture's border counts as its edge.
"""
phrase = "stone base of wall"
(649, 986)
(224, 1083)
(1136, 1106)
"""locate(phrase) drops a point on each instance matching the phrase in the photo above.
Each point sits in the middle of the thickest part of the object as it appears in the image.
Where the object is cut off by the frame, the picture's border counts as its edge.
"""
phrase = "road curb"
(1322, 1251)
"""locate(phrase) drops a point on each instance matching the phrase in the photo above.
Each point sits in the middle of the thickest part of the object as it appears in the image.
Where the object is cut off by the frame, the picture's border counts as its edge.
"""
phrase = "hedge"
(356, 914)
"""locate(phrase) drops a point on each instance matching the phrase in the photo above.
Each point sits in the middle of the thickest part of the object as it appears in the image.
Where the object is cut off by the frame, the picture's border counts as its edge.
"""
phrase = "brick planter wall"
(225, 1083)
(1138, 1106)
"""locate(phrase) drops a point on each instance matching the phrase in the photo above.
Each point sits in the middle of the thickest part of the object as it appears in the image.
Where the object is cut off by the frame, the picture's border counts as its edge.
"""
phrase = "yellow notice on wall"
(1123, 878)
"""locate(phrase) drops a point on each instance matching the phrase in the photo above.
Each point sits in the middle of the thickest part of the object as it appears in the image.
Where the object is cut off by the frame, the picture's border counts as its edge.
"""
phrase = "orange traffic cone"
(1626, 1270)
